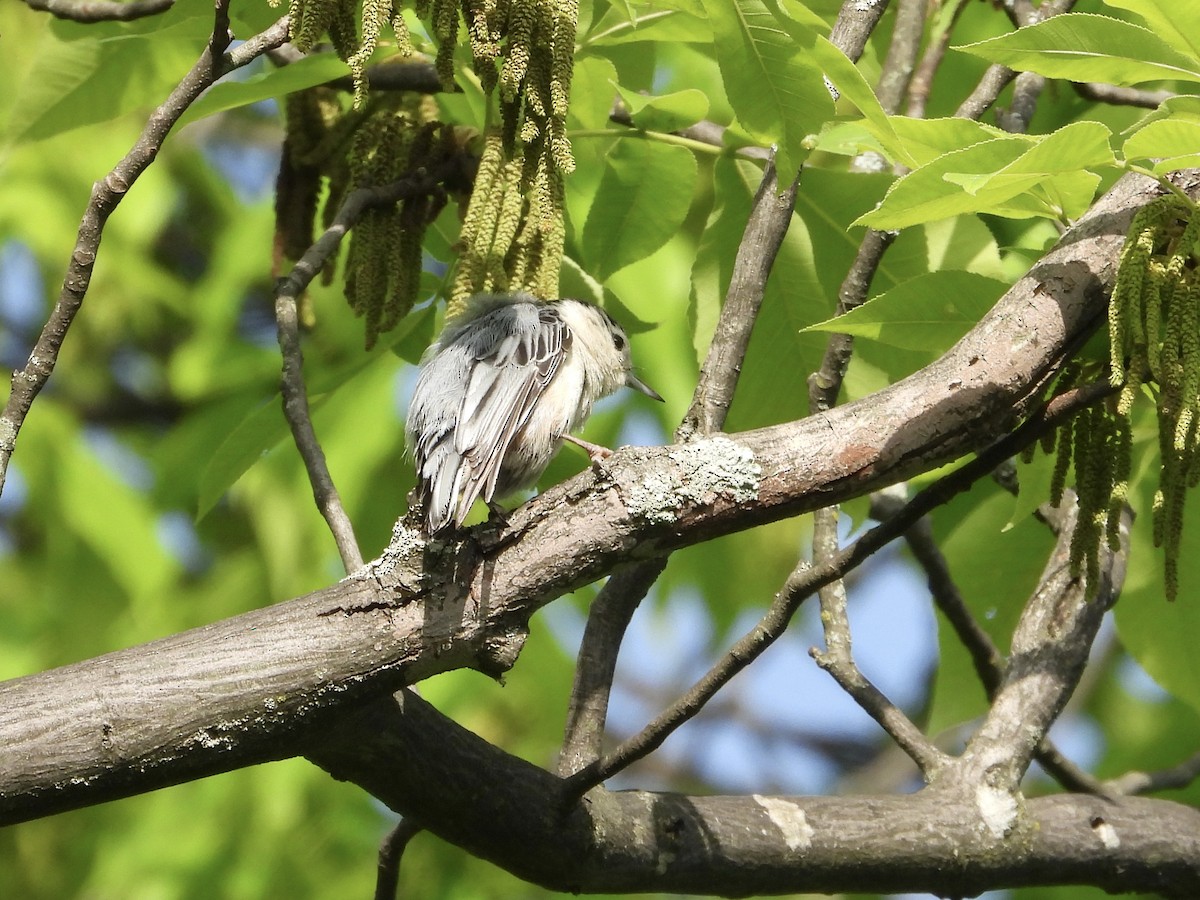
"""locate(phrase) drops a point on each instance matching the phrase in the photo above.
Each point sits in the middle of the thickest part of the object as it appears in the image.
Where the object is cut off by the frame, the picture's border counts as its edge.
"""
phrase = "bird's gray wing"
(506, 379)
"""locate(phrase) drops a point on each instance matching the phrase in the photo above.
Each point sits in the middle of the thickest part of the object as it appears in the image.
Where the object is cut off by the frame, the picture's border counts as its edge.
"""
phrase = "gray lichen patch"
(700, 473)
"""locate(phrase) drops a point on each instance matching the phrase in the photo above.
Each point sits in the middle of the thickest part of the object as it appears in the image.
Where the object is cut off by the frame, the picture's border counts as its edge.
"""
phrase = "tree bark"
(266, 684)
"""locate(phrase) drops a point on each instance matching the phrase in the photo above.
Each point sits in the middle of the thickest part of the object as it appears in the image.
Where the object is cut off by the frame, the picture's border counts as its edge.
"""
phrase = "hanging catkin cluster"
(1154, 329)
(383, 266)
(353, 26)
(523, 52)
(513, 229)
(1154, 341)
(383, 142)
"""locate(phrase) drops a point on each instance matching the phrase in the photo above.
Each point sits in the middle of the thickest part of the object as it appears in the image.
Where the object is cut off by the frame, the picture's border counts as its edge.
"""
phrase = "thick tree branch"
(107, 193)
(229, 694)
(509, 811)
(91, 11)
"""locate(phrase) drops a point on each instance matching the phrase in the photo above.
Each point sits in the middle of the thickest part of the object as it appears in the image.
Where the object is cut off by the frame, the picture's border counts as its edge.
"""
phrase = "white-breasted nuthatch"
(500, 390)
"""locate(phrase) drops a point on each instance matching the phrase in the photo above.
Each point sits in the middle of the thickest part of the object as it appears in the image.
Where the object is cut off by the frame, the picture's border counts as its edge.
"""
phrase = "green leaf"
(1176, 23)
(924, 140)
(1162, 635)
(683, 25)
(592, 92)
(1086, 47)
(83, 81)
(929, 312)
(314, 69)
(713, 264)
(260, 431)
(993, 175)
(643, 199)
(668, 112)
(851, 84)
(775, 88)
(924, 194)
(1174, 144)
(1078, 146)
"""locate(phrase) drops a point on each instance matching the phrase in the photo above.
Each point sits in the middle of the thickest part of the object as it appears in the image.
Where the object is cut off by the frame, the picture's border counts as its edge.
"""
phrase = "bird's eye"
(618, 340)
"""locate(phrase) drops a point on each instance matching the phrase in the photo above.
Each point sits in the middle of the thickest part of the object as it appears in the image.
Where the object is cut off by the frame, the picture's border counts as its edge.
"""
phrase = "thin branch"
(596, 667)
(613, 608)
(295, 410)
(1179, 776)
(107, 193)
(986, 658)
(391, 852)
(824, 386)
(1050, 647)
(922, 80)
(901, 56)
(703, 137)
(795, 591)
(765, 230)
(1121, 96)
(806, 580)
(838, 661)
(855, 22)
(295, 395)
(1027, 89)
(980, 100)
(89, 12)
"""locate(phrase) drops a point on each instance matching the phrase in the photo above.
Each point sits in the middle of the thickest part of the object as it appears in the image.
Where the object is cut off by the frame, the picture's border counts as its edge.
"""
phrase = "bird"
(501, 388)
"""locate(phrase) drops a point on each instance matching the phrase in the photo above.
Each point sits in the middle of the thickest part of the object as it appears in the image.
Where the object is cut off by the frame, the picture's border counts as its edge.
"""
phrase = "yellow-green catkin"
(1154, 340)
(354, 28)
(513, 230)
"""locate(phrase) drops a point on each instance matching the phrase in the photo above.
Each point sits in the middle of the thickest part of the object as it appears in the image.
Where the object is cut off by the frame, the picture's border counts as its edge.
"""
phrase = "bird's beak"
(638, 385)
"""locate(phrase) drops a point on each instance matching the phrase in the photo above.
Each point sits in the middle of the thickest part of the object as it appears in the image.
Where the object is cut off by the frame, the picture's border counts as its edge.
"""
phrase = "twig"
(796, 589)
(824, 386)
(997, 77)
(980, 100)
(805, 580)
(839, 663)
(922, 81)
(295, 395)
(607, 622)
(901, 56)
(91, 11)
(1121, 96)
(986, 658)
(1179, 776)
(855, 22)
(1027, 88)
(391, 852)
(698, 138)
(106, 195)
(765, 230)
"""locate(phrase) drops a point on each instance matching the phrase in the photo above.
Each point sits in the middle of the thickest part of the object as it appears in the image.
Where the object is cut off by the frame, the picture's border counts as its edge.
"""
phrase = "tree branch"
(107, 193)
(614, 606)
(89, 12)
(232, 693)
(391, 851)
(736, 846)
(986, 658)
(1049, 650)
